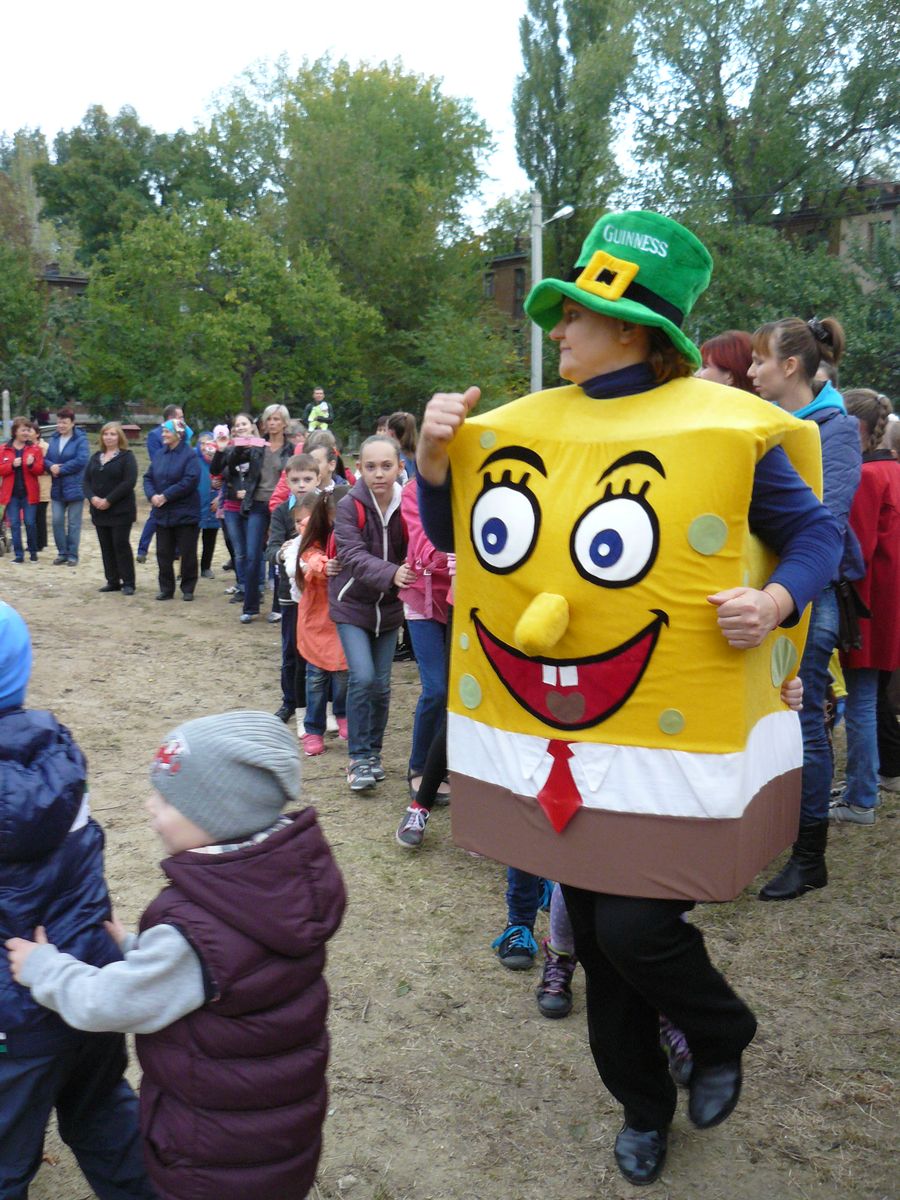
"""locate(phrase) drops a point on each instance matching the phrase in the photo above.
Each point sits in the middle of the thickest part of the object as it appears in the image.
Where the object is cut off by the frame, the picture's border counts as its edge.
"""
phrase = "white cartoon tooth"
(548, 674)
(568, 676)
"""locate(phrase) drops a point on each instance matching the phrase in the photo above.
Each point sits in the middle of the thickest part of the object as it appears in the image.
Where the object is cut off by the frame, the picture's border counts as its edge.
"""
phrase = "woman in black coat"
(109, 482)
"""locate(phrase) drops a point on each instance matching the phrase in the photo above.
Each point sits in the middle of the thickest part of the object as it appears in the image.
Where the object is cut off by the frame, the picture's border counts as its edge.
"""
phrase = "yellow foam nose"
(542, 624)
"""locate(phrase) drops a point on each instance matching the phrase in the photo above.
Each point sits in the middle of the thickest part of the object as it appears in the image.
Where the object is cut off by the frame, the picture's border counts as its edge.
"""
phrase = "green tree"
(744, 108)
(21, 217)
(21, 314)
(380, 166)
(576, 56)
(201, 305)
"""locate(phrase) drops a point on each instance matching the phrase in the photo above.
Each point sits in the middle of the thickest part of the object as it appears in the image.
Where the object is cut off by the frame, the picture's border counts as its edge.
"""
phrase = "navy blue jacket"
(175, 474)
(48, 875)
(72, 460)
(841, 467)
(154, 441)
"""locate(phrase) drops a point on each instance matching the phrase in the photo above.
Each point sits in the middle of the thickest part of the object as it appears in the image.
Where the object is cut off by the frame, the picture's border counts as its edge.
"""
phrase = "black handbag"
(850, 610)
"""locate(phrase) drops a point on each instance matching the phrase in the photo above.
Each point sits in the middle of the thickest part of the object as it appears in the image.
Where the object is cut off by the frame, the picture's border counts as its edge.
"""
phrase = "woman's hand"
(332, 566)
(404, 576)
(158, 500)
(792, 693)
(54, 470)
(444, 415)
(20, 949)
(241, 494)
(17, 462)
(99, 502)
(747, 615)
(115, 929)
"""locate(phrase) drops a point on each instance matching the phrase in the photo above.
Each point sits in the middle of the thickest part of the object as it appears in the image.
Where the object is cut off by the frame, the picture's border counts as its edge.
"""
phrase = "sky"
(167, 59)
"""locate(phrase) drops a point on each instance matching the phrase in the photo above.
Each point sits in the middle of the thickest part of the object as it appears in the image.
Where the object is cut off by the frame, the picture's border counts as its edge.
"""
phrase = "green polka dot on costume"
(745, 579)
(784, 660)
(470, 691)
(671, 720)
(707, 534)
(464, 641)
(487, 439)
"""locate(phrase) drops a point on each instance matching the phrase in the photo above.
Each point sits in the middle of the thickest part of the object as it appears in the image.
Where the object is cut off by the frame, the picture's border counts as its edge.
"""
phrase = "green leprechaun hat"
(636, 266)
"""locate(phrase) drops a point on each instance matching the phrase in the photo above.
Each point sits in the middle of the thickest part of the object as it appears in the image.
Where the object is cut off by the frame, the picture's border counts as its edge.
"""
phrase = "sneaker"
(677, 1051)
(61, 560)
(238, 597)
(516, 947)
(342, 728)
(273, 617)
(313, 744)
(331, 722)
(851, 814)
(229, 566)
(889, 783)
(229, 591)
(246, 618)
(376, 768)
(359, 776)
(411, 829)
(285, 713)
(72, 562)
(207, 574)
(554, 992)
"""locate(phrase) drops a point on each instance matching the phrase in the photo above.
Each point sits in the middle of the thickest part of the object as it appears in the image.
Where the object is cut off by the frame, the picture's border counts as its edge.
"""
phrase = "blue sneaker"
(516, 947)
(375, 768)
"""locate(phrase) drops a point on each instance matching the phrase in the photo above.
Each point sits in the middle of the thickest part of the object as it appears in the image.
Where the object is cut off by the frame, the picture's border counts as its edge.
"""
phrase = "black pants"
(115, 549)
(641, 959)
(40, 516)
(888, 729)
(293, 664)
(180, 539)
(208, 538)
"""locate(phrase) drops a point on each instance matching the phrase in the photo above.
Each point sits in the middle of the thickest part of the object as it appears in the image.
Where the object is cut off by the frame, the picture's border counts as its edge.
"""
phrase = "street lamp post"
(537, 274)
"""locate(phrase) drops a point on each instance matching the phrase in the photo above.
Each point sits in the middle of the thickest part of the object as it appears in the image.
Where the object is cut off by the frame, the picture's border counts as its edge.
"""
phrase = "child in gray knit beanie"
(223, 986)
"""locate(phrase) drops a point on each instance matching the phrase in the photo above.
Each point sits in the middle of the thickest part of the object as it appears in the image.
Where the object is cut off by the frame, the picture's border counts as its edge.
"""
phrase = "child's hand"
(404, 576)
(116, 930)
(20, 948)
(792, 693)
(332, 566)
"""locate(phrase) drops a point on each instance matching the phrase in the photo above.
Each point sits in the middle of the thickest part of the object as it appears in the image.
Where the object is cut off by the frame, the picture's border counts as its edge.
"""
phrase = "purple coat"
(364, 593)
(233, 1095)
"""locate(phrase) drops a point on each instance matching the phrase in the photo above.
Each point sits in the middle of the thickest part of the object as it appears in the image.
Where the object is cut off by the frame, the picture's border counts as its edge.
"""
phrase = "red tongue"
(603, 685)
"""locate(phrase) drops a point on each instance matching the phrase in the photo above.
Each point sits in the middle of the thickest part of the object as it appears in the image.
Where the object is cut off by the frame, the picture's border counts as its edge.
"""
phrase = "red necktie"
(559, 797)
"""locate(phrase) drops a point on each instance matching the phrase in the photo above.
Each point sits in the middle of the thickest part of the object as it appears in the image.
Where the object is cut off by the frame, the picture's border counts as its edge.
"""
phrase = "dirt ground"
(446, 1082)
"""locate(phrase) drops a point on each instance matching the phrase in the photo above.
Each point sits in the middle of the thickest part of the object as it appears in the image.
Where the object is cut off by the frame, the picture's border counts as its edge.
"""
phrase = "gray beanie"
(231, 773)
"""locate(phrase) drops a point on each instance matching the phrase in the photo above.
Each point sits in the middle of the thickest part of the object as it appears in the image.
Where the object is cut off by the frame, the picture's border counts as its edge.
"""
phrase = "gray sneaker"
(411, 829)
(376, 768)
(852, 814)
(359, 776)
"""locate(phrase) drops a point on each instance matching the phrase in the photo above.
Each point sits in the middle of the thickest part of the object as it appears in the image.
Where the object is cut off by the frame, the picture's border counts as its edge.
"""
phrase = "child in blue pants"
(51, 874)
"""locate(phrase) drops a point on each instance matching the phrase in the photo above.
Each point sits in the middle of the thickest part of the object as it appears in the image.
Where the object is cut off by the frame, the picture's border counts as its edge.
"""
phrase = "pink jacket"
(428, 595)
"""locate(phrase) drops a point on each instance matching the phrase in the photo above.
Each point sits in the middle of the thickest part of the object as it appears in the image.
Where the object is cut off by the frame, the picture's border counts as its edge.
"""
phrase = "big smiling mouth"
(572, 693)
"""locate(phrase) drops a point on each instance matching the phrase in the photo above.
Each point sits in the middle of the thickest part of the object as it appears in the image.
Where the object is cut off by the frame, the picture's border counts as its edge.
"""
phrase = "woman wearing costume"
(645, 764)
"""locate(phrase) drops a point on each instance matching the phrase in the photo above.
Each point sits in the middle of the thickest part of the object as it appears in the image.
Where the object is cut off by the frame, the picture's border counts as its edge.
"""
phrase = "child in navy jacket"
(51, 874)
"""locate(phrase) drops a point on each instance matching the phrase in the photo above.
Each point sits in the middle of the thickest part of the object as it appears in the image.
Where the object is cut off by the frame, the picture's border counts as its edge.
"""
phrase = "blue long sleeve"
(436, 513)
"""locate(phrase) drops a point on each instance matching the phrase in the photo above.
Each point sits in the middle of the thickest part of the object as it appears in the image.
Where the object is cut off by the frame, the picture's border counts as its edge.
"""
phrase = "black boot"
(805, 869)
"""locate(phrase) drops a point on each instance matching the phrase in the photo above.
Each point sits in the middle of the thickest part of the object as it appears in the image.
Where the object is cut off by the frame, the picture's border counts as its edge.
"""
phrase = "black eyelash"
(609, 494)
(506, 480)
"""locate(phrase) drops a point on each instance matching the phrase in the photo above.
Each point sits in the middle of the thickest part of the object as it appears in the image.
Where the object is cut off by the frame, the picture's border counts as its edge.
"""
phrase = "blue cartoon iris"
(606, 548)
(493, 535)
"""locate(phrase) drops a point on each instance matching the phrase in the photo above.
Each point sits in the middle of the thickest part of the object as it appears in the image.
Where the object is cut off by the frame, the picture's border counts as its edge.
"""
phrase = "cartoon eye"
(505, 520)
(615, 541)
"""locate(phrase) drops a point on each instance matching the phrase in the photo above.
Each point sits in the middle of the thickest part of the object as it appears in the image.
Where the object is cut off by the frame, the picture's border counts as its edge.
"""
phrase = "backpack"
(331, 548)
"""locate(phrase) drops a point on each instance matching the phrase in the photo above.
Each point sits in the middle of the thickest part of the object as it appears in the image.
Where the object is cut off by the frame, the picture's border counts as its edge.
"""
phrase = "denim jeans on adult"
(317, 691)
(237, 532)
(862, 739)
(818, 765)
(248, 537)
(369, 659)
(67, 527)
(147, 533)
(16, 510)
(429, 644)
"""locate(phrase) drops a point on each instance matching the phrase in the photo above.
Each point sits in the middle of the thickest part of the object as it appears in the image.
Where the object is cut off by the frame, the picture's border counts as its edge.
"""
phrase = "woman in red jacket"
(20, 465)
(875, 518)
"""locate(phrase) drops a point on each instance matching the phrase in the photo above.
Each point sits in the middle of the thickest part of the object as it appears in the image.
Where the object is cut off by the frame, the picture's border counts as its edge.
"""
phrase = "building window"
(519, 292)
(489, 285)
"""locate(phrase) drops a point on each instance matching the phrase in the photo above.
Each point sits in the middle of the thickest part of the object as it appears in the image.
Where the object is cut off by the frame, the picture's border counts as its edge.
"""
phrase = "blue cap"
(15, 658)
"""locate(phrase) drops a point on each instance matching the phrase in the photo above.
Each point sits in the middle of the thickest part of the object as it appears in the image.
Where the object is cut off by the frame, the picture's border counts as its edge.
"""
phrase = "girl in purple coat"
(370, 540)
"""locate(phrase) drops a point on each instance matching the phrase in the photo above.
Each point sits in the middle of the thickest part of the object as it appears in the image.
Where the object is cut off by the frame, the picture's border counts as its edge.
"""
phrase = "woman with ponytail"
(786, 356)
(875, 518)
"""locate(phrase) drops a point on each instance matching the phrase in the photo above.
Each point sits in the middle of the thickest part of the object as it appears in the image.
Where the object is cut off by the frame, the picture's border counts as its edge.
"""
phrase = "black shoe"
(805, 869)
(187, 597)
(285, 712)
(109, 587)
(60, 560)
(714, 1092)
(237, 598)
(165, 595)
(641, 1155)
(229, 566)
(141, 558)
(127, 589)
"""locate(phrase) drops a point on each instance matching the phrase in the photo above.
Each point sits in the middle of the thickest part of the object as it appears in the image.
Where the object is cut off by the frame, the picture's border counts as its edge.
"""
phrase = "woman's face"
(379, 467)
(242, 427)
(768, 375)
(275, 425)
(715, 374)
(20, 435)
(170, 438)
(64, 425)
(589, 343)
(109, 439)
(208, 448)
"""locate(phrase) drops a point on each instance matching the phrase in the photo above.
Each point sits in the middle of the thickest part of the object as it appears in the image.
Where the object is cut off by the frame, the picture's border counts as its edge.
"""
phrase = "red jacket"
(875, 518)
(30, 469)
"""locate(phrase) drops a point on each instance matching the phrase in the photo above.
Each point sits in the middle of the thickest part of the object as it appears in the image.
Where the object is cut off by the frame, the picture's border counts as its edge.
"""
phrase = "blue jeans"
(429, 644)
(523, 894)
(818, 765)
(147, 534)
(317, 689)
(862, 739)
(248, 537)
(15, 510)
(97, 1113)
(67, 527)
(369, 659)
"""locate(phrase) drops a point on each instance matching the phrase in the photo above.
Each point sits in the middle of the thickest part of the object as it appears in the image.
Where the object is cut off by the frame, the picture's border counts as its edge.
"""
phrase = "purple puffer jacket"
(364, 593)
(233, 1095)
